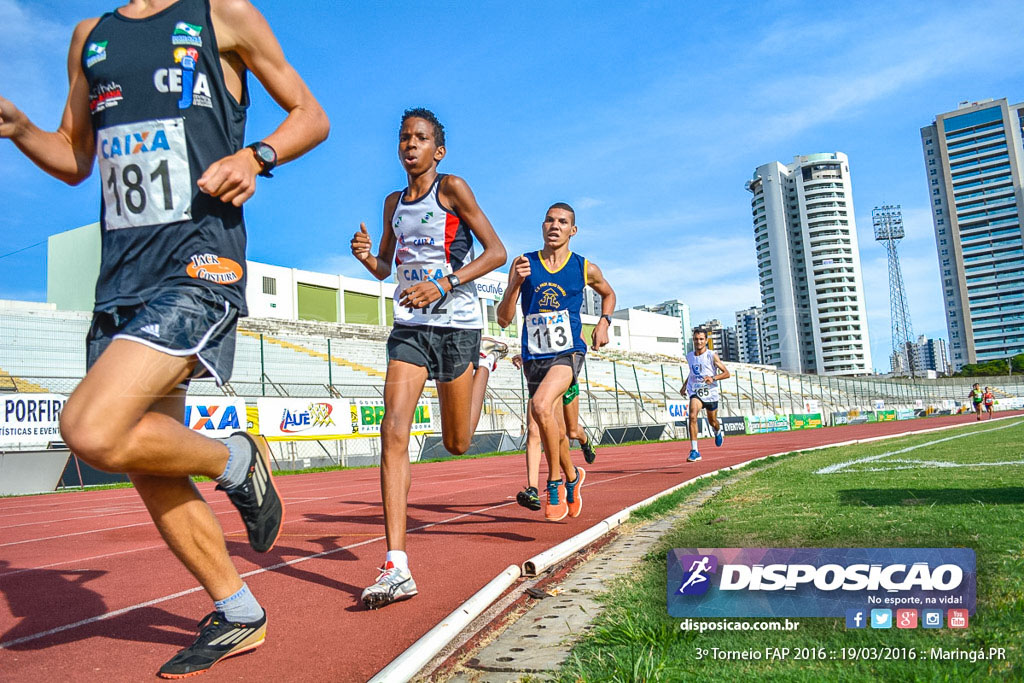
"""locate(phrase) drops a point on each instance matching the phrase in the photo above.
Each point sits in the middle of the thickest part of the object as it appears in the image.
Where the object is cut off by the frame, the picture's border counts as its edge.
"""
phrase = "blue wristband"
(439, 287)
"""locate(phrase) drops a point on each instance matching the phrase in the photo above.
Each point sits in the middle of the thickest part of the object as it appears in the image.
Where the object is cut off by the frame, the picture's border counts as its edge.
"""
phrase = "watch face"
(265, 153)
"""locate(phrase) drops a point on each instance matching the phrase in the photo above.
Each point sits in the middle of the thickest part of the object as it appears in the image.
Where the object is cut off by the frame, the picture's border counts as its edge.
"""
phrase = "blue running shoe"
(694, 456)
(719, 437)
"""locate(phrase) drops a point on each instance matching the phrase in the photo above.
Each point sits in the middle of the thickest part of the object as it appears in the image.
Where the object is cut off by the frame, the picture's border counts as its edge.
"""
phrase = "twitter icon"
(881, 618)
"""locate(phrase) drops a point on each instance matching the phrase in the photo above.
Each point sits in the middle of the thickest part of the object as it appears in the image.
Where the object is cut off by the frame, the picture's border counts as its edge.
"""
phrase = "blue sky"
(648, 117)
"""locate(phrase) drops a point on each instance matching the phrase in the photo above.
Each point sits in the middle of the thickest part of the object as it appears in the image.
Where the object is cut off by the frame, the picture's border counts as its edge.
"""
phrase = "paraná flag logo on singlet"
(95, 53)
(187, 34)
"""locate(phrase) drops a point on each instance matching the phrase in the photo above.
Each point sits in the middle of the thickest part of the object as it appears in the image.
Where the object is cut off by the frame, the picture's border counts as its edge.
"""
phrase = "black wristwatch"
(265, 156)
(454, 280)
(607, 317)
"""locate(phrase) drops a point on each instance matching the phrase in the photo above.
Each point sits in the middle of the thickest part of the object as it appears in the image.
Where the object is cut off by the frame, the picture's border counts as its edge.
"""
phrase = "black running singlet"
(162, 114)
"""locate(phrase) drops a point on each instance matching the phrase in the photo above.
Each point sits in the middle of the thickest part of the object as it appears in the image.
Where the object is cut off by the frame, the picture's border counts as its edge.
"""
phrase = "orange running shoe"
(574, 493)
(557, 508)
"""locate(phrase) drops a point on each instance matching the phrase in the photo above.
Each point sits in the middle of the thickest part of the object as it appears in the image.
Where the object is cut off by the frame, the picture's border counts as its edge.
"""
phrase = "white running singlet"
(700, 367)
(431, 243)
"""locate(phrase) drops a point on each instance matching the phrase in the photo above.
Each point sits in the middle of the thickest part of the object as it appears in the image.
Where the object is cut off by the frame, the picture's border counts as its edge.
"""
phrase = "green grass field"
(960, 492)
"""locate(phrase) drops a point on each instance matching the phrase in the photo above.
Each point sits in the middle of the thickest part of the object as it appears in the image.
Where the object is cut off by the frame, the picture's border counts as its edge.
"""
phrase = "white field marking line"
(61, 520)
(934, 465)
(279, 565)
(839, 467)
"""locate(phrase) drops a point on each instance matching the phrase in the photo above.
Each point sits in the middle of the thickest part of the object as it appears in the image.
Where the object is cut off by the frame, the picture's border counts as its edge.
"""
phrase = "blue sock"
(241, 606)
(239, 457)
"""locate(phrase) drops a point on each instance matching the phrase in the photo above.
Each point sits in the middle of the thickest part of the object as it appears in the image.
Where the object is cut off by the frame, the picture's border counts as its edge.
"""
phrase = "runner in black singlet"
(158, 96)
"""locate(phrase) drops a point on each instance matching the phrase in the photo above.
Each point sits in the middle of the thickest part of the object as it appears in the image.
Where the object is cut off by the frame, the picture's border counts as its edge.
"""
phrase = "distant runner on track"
(706, 370)
(158, 93)
(976, 396)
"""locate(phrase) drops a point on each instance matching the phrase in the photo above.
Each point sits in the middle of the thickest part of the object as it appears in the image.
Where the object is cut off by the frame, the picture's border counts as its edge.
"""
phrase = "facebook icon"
(856, 618)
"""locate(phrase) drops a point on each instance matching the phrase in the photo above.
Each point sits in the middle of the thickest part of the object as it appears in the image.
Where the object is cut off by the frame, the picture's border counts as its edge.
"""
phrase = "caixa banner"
(816, 582)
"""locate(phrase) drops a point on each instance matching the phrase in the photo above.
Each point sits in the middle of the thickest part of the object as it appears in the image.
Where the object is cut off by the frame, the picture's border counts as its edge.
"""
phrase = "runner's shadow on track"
(1007, 495)
(45, 599)
(281, 554)
(376, 520)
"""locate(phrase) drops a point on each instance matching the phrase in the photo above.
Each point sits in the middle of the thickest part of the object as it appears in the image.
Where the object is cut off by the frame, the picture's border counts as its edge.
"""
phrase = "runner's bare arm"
(379, 265)
(243, 31)
(67, 153)
(456, 196)
(506, 311)
(595, 278)
(723, 371)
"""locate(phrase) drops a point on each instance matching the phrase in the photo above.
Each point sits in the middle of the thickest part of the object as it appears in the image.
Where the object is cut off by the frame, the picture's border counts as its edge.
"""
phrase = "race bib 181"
(144, 173)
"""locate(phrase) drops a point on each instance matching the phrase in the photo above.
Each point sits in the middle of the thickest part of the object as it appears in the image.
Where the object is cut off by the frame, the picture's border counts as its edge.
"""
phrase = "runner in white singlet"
(428, 233)
(706, 370)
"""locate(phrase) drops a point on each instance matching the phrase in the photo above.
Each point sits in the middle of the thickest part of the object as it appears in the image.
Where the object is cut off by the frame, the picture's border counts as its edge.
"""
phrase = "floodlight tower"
(888, 223)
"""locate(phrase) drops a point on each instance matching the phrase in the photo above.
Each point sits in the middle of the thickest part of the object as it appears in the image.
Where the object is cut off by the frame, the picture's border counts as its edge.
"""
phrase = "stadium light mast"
(888, 223)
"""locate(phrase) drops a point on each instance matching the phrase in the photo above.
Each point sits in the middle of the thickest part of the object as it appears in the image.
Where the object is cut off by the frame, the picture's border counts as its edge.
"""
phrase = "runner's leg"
(533, 448)
(546, 410)
(107, 421)
(458, 399)
(402, 389)
(185, 521)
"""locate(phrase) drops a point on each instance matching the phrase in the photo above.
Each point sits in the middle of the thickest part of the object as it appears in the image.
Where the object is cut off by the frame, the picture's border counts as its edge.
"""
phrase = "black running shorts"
(181, 321)
(536, 370)
(445, 352)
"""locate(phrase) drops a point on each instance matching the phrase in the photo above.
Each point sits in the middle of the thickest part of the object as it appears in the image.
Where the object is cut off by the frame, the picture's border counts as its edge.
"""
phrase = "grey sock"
(239, 457)
(241, 606)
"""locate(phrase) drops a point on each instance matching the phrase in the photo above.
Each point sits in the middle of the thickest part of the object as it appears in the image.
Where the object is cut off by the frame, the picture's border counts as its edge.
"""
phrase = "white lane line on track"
(289, 521)
(225, 502)
(279, 565)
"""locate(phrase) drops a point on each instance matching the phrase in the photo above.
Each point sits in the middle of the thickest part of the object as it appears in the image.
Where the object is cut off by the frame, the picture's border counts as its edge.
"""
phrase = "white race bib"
(144, 173)
(548, 332)
(703, 392)
(409, 274)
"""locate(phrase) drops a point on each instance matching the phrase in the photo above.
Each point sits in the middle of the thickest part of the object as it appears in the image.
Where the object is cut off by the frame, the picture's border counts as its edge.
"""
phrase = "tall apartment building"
(931, 355)
(676, 309)
(721, 339)
(749, 336)
(973, 158)
(812, 292)
(591, 302)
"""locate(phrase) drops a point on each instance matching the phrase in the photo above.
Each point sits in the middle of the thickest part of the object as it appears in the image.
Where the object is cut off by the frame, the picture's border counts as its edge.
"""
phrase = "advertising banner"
(811, 406)
(215, 417)
(809, 421)
(733, 425)
(817, 582)
(758, 424)
(678, 409)
(30, 420)
(886, 415)
(304, 418)
(905, 414)
(878, 404)
(367, 414)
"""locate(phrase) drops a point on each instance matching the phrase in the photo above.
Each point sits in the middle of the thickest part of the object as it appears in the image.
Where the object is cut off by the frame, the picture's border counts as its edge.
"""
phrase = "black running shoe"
(256, 498)
(529, 498)
(588, 452)
(218, 639)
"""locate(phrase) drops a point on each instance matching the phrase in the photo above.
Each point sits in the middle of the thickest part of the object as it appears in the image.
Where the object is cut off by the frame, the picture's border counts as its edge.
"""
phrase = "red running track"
(92, 594)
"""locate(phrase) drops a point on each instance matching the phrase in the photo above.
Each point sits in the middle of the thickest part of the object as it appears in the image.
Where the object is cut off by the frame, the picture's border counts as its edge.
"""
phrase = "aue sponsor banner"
(299, 418)
(816, 582)
(30, 419)
(215, 417)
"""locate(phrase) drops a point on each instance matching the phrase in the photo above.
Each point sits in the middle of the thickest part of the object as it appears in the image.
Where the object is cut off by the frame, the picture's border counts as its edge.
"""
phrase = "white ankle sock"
(693, 444)
(398, 558)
